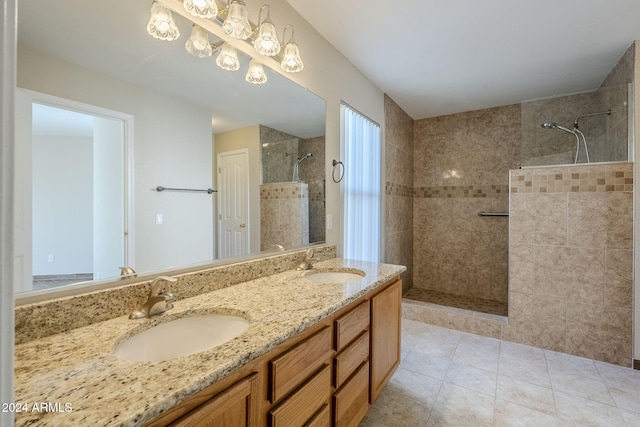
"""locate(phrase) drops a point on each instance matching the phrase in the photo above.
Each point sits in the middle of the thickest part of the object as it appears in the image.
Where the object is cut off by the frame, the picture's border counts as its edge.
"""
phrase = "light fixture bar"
(214, 26)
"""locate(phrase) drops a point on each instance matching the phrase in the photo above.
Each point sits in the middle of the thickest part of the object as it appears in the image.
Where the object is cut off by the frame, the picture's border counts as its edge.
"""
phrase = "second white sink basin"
(334, 277)
(181, 337)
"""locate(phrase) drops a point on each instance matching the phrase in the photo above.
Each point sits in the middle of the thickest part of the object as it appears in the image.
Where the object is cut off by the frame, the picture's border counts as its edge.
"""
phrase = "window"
(361, 186)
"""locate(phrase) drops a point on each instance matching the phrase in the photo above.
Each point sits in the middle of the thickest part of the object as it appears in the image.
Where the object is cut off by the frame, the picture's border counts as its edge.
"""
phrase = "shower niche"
(588, 127)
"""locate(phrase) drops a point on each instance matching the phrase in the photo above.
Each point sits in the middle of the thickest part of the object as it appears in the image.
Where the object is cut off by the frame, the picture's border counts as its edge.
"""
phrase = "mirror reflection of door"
(77, 185)
(233, 203)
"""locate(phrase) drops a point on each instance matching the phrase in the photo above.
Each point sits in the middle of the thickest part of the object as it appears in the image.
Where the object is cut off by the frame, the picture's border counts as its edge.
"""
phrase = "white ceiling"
(437, 57)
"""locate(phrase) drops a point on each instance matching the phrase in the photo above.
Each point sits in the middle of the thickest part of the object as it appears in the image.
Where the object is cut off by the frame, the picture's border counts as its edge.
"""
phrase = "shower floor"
(457, 301)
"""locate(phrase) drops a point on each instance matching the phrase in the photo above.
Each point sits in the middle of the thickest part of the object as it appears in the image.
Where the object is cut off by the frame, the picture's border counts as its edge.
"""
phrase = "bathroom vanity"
(314, 354)
(326, 375)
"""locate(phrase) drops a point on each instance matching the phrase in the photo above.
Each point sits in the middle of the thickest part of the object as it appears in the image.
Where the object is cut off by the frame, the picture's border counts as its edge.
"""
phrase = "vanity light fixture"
(198, 43)
(228, 58)
(236, 24)
(291, 61)
(266, 42)
(201, 8)
(255, 73)
(161, 24)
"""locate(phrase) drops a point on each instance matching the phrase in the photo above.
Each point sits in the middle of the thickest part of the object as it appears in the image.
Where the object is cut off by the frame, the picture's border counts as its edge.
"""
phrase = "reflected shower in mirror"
(184, 117)
(294, 167)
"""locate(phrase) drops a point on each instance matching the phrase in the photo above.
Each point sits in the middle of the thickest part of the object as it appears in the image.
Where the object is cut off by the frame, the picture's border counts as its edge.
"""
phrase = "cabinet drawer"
(322, 418)
(290, 369)
(300, 407)
(351, 325)
(347, 361)
(351, 402)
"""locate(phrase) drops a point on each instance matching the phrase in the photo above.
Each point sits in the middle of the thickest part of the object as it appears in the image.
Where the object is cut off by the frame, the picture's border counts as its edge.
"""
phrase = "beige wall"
(570, 260)
(461, 167)
(399, 189)
(284, 215)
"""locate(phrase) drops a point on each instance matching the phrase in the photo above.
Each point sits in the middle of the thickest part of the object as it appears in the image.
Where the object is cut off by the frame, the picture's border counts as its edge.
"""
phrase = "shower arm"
(601, 113)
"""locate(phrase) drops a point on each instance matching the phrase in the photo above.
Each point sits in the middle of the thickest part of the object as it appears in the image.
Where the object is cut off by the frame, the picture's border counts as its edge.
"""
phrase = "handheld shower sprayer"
(301, 159)
(296, 175)
(553, 125)
(576, 132)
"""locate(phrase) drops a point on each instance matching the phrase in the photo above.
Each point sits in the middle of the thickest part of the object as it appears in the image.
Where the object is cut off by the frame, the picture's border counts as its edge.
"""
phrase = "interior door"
(23, 276)
(233, 203)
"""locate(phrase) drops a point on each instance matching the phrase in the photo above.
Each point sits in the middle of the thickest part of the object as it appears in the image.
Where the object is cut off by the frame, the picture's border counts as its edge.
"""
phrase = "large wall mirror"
(106, 114)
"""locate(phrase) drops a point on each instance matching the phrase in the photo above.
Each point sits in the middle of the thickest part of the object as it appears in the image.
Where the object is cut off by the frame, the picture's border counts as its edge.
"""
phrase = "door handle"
(242, 225)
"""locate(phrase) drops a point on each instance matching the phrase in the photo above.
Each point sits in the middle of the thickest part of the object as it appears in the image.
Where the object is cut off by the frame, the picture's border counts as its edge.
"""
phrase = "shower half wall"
(461, 167)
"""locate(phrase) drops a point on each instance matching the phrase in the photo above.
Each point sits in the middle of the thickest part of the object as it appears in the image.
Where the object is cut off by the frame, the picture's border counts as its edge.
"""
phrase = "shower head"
(301, 159)
(553, 125)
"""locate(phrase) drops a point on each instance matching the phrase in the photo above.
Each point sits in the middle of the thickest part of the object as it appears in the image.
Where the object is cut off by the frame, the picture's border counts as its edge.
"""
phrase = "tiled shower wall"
(311, 171)
(571, 260)
(606, 135)
(284, 215)
(279, 151)
(461, 167)
(399, 189)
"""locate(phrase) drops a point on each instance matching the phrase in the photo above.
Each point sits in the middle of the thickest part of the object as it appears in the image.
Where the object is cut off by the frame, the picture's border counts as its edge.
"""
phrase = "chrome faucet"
(159, 300)
(307, 264)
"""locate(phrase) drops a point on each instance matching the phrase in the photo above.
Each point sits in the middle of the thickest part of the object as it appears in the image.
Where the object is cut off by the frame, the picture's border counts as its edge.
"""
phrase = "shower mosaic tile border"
(283, 191)
(393, 189)
(573, 179)
(462, 191)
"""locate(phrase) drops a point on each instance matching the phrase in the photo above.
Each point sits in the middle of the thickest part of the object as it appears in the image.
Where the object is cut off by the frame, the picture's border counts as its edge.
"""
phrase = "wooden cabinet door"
(234, 407)
(385, 336)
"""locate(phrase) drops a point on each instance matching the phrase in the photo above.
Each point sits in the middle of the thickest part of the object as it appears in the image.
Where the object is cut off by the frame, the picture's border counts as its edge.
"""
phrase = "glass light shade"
(161, 24)
(267, 41)
(198, 43)
(255, 73)
(291, 61)
(201, 8)
(237, 23)
(228, 58)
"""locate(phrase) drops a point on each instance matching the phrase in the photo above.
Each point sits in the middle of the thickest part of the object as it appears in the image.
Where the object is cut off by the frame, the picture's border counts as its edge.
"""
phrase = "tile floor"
(452, 378)
(54, 281)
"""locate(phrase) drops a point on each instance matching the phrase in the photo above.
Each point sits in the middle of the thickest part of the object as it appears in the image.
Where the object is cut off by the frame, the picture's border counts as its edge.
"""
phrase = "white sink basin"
(181, 337)
(334, 277)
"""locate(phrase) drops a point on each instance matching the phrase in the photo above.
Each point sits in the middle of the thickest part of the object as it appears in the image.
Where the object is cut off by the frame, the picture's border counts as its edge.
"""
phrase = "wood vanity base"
(328, 375)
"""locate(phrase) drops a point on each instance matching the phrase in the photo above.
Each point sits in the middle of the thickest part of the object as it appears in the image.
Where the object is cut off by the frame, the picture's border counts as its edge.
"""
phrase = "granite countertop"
(76, 375)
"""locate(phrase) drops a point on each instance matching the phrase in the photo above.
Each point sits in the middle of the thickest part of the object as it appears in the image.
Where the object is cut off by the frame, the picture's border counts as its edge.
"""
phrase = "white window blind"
(361, 185)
